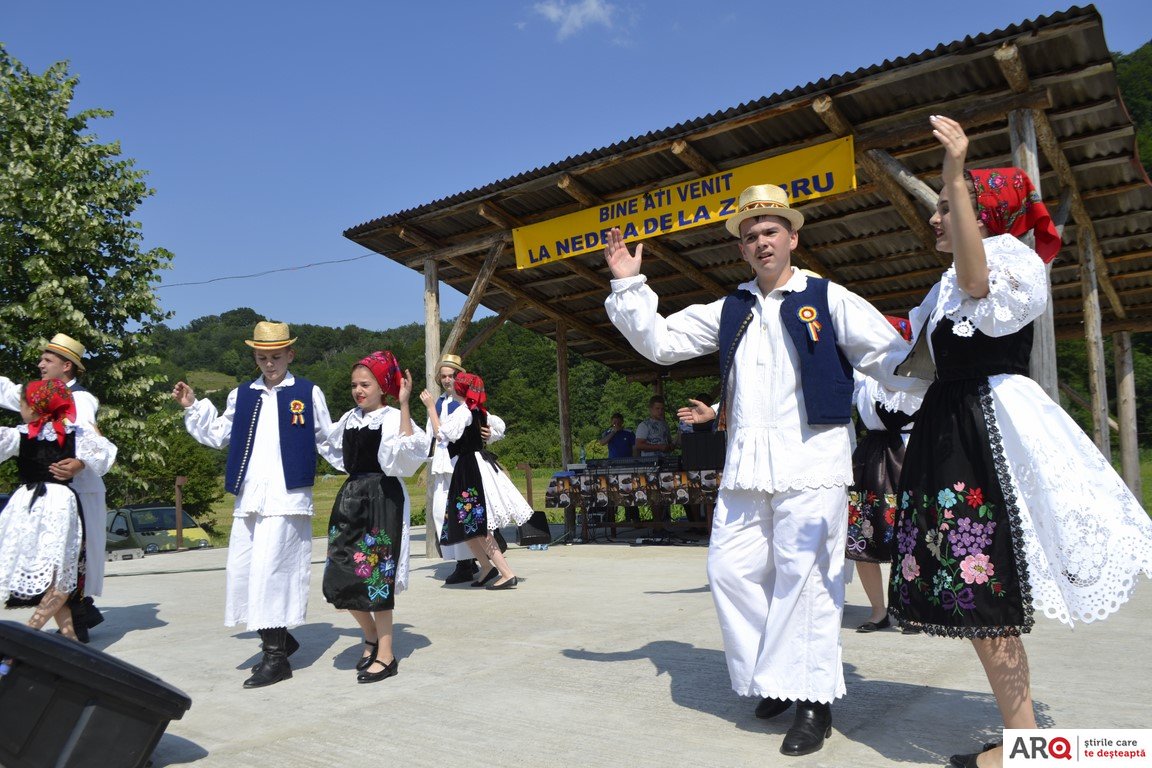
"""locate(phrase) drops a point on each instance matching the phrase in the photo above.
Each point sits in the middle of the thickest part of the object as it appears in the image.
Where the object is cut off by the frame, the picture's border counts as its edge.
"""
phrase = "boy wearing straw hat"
(273, 428)
(63, 358)
(788, 342)
(441, 465)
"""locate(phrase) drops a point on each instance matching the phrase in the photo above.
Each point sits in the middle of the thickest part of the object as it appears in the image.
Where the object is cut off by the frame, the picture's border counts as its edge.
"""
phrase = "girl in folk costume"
(481, 497)
(876, 462)
(41, 529)
(368, 531)
(1006, 508)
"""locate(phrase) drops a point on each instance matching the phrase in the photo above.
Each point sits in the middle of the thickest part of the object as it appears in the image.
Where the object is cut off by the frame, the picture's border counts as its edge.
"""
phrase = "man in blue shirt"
(618, 439)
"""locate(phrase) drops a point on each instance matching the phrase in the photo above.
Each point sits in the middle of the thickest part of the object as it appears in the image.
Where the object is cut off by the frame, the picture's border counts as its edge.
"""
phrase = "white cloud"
(571, 18)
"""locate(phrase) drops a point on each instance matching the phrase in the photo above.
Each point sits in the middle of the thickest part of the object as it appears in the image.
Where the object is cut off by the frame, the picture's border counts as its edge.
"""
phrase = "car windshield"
(158, 519)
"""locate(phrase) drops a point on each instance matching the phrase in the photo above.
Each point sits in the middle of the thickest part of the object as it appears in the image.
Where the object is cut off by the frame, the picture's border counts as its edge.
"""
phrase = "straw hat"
(270, 336)
(68, 348)
(763, 200)
(452, 361)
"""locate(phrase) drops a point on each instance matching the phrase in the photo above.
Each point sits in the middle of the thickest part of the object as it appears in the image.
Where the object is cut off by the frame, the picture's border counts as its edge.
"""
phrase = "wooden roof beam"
(475, 293)
(1007, 57)
(827, 111)
(688, 155)
(447, 252)
(490, 210)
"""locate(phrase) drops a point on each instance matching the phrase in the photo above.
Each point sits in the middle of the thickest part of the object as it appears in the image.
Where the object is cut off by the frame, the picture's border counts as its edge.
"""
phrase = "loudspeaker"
(65, 705)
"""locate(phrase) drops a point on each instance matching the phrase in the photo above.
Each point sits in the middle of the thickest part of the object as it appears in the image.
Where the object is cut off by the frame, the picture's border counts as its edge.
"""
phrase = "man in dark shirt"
(618, 439)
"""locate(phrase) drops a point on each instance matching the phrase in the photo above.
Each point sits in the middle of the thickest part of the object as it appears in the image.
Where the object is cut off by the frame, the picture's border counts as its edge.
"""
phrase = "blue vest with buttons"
(825, 374)
(297, 435)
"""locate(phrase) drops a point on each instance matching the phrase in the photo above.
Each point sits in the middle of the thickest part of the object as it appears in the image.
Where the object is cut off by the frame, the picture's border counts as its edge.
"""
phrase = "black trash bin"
(65, 705)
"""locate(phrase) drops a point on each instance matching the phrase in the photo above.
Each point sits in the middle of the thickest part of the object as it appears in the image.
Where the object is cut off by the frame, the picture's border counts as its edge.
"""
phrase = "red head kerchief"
(900, 324)
(50, 402)
(1007, 203)
(471, 387)
(386, 370)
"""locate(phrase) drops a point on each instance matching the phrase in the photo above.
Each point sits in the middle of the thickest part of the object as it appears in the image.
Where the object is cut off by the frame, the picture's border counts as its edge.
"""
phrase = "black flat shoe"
(813, 724)
(487, 578)
(872, 626)
(911, 630)
(510, 584)
(769, 707)
(390, 669)
(964, 761)
(366, 661)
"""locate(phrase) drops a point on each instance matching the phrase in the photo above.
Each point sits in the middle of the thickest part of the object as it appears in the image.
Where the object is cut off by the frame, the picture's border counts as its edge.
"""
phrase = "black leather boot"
(812, 725)
(769, 707)
(463, 572)
(291, 645)
(274, 667)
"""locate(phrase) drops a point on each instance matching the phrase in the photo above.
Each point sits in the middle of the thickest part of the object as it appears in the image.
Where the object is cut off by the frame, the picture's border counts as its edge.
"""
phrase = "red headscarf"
(901, 325)
(386, 370)
(1007, 203)
(51, 402)
(471, 387)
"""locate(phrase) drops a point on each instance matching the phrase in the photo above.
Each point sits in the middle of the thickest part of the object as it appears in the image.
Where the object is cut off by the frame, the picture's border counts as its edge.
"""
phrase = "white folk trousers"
(776, 568)
(95, 540)
(269, 567)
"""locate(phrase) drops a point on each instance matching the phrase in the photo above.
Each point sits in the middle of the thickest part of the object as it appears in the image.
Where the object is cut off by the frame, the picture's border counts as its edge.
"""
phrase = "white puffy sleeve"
(9, 442)
(689, 333)
(206, 425)
(400, 455)
(497, 427)
(453, 425)
(96, 451)
(1017, 291)
(332, 449)
(9, 394)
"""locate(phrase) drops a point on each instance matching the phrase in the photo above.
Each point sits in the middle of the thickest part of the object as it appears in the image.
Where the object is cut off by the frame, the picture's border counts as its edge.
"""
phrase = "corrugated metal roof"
(859, 238)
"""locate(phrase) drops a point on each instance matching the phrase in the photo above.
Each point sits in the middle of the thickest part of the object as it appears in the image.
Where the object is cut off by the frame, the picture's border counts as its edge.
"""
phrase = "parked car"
(152, 528)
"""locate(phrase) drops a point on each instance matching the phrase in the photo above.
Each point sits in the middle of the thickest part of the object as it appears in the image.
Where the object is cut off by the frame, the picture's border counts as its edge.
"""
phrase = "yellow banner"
(825, 169)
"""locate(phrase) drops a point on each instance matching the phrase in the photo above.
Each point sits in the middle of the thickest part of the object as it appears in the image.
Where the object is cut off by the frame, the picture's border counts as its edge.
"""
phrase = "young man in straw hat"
(63, 358)
(788, 342)
(441, 465)
(273, 429)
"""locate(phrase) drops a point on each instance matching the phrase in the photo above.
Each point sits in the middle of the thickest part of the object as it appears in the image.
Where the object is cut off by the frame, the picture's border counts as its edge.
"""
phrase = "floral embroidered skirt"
(958, 568)
(872, 497)
(41, 544)
(364, 536)
(467, 513)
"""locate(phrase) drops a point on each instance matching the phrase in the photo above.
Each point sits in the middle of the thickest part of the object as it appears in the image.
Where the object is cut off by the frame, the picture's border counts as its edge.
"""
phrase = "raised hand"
(427, 398)
(183, 394)
(696, 413)
(949, 133)
(405, 386)
(621, 262)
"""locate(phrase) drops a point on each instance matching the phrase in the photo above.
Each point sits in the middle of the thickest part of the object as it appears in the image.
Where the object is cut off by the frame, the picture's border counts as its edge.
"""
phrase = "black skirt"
(872, 497)
(364, 535)
(467, 514)
(958, 568)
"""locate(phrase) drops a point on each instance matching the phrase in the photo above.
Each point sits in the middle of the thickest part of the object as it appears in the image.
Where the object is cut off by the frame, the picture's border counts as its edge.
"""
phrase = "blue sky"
(268, 128)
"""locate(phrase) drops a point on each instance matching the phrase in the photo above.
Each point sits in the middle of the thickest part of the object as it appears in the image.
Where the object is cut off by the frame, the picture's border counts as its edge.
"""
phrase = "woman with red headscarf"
(41, 529)
(481, 497)
(368, 531)
(1006, 509)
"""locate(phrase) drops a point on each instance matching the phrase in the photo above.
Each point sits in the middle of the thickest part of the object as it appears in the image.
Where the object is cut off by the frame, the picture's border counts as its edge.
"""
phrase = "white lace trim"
(39, 547)
(1017, 291)
(1086, 537)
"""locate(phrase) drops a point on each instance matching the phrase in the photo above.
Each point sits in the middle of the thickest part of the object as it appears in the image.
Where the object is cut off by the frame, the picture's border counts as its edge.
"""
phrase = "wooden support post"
(483, 277)
(562, 392)
(1097, 383)
(431, 380)
(1022, 133)
(1126, 412)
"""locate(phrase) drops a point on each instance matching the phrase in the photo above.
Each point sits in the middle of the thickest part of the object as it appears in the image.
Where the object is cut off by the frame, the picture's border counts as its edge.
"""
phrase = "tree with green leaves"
(70, 254)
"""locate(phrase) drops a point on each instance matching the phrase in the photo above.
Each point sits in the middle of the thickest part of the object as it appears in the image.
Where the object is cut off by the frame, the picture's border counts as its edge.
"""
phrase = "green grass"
(209, 381)
(326, 487)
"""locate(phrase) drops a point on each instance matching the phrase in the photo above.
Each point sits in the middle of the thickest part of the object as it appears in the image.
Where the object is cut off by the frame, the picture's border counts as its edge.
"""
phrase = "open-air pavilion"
(1041, 94)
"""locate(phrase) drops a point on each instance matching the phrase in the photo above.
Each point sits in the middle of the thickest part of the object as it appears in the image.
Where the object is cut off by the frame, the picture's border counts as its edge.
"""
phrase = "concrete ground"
(605, 655)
